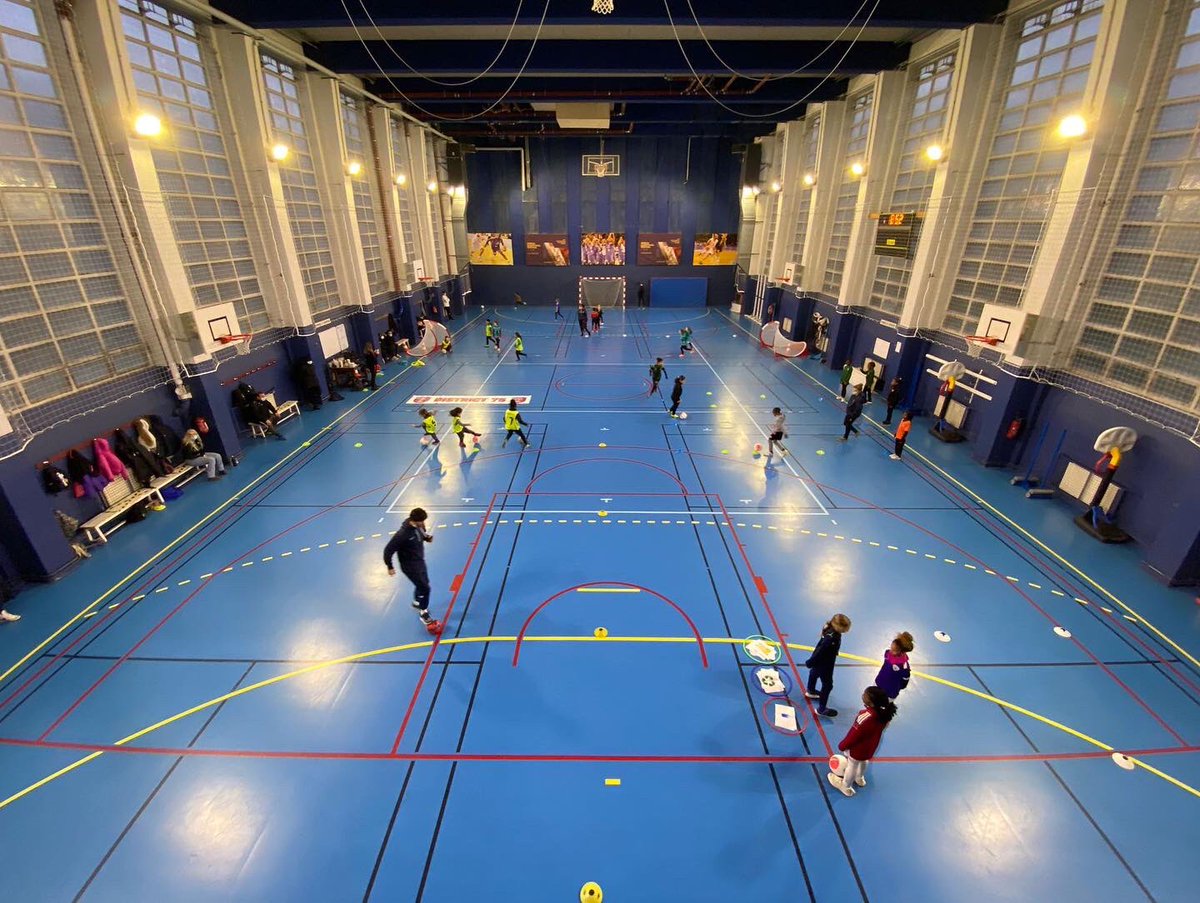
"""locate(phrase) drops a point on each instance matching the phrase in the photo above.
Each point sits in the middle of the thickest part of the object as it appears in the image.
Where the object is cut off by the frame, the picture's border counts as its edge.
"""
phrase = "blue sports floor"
(234, 701)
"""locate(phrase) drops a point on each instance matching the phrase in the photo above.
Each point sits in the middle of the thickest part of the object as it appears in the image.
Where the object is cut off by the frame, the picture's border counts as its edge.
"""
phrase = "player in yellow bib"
(462, 430)
(513, 421)
(429, 425)
(518, 345)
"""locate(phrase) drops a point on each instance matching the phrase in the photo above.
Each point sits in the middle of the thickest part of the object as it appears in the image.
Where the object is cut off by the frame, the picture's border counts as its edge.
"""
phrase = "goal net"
(602, 291)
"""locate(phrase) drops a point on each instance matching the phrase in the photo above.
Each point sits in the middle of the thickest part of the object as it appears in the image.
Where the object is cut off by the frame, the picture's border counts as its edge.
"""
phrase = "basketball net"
(603, 7)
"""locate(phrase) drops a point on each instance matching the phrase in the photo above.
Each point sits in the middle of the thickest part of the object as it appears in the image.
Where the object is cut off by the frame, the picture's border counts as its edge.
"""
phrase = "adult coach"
(408, 545)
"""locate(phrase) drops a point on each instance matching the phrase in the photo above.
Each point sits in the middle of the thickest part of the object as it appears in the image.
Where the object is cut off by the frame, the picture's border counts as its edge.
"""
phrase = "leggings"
(900, 447)
(825, 676)
(512, 433)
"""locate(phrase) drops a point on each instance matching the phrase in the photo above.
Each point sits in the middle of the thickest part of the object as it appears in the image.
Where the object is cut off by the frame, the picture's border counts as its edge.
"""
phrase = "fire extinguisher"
(1014, 428)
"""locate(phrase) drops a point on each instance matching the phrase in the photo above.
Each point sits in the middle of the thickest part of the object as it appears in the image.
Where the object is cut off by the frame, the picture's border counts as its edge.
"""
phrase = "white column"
(882, 160)
(790, 176)
(421, 177)
(271, 237)
(392, 238)
(334, 181)
(830, 153)
(956, 179)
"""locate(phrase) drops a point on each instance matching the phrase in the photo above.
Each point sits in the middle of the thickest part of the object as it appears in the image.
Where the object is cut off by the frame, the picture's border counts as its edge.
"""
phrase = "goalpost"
(602, 291)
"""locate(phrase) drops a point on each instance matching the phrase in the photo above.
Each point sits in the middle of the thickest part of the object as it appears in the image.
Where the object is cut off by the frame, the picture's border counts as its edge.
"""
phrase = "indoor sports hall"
(599, 449)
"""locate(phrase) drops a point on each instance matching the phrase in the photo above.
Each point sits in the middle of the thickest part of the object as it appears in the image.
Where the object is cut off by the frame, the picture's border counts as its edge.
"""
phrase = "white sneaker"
(808, 695)
(840, 784)
(8, 616)
(860, 782)
(894, 457)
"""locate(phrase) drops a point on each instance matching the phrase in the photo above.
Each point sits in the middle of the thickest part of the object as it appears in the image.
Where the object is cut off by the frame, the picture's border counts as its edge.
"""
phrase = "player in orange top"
(902, 435)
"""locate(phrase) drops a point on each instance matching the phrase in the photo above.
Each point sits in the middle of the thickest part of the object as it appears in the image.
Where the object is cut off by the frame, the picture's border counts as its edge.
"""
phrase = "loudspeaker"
(752, 165)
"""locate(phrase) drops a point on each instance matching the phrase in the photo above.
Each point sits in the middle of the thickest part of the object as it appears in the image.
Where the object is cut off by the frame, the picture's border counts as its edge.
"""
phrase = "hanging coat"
(168, 439)
(144, 466)
(85, 479)
(54, 480)
(107, 463)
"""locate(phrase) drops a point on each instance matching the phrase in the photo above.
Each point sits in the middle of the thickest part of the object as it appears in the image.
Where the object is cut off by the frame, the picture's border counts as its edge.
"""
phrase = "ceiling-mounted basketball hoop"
(601, 165)
(975, 343)
(603, 7)
(240, 343)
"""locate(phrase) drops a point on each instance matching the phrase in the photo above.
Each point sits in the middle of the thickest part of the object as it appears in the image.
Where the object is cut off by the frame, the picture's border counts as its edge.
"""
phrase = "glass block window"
(1054, 51)
(172, 78)
(65, 323)
(847, 198)
(358, 146)
(808, 166)
(299, 179)
(1142, 329)
(404, 193)
(434, 174)
(914, 177)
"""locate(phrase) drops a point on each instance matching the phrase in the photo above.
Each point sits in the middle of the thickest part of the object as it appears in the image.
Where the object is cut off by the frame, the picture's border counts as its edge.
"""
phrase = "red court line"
(459, 579)
(760, 588)
(338, 755)
(570, 589)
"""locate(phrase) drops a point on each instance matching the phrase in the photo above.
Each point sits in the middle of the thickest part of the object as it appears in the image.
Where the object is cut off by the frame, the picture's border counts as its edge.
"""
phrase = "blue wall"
(650, 195)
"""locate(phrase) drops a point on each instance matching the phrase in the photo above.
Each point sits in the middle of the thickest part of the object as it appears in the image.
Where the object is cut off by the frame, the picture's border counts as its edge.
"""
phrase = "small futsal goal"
(602, 291)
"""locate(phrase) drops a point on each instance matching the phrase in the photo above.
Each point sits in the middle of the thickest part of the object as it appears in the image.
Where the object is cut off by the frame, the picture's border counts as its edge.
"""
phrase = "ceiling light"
(857, 169)
(809, 179)
(279, 152)
(147, 125)
(935, 152)
(1072, 126)
(401, 178)
(432, 186)
(775, 186)
(747, 191)
(354, 167)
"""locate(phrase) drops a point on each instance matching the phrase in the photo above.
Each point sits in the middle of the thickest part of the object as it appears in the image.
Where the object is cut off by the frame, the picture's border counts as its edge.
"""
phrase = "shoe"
(840, 784)
(860, 782)
(827, 713)
(894, 457)
(808, 695)
(843, 439)
(434, 627)
(417, 605)
(8, 616)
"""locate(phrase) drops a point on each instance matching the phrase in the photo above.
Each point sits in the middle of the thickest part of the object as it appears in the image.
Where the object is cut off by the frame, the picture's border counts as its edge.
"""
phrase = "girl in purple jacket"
(893, 676)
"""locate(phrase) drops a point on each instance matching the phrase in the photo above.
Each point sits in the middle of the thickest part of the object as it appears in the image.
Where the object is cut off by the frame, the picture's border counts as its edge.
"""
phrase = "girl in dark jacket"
(862, 741)
(893, 397)
(895, 673)
(822, 660)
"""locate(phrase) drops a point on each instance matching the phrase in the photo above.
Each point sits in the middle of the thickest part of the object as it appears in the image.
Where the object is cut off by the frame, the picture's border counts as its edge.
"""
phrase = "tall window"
(404, 193)
(1049, 73)
(914, 178)
(358, 145)
(172, 79)
(435, 206)
(64, 321)
(1143, 326)
(299, 179)
(847, 197)
(808, 166)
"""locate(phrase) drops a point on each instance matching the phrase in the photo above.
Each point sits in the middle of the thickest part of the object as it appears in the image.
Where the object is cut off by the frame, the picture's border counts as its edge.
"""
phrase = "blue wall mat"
(679, 292)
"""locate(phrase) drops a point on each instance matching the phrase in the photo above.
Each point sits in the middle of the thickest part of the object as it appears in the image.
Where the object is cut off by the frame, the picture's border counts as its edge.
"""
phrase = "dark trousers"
(844, 385)
(417, 573)
(675, 404)
(558, 315)
(888, 418)
(850, 427)
(463, 442)
(520, 354)
(824, 674)
(583, 330)
(371, 371)
(654, 387)
(512, 433)
(900, 447)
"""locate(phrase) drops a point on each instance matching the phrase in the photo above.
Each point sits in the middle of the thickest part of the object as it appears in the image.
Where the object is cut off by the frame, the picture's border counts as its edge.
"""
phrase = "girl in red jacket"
(862, 741)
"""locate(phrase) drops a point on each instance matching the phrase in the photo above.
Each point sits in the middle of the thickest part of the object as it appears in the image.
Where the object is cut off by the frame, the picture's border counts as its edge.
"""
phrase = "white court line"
(762, 432)
(433, 449)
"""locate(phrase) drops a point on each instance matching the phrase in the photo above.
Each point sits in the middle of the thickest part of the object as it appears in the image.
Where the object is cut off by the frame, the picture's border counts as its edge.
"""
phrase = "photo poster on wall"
(715, 249)
(602, 249)
(659, 249)
(490, 249)
(546, 249)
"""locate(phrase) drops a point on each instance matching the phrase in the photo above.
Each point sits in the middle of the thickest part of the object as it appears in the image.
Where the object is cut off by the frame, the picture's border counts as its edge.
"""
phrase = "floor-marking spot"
(820, 451)
(359, 538)
(872, 542)
(1107, 611)
(183, 582)
(142, 596)
(756, 526)
(1123, 761)
(1058, 592)
(1130, 618)
(163, 589)
(894, 548)
(342, 542)
(949, 561)
(615, 782)
(970, 567)
(358, 445)
(1082, 601)
(1035, 585)
(1013, 579)
(223, 571)
(989, 571)
(114, 605)
(911, 551)
(604, 445)
(306, 549)
(1062, 632)
(376, 535)
(838, 536)
(927, 555)
(91, 614)
(941, 636)
(442, 526)
(247, 564)
(323, 545)
(459, 524)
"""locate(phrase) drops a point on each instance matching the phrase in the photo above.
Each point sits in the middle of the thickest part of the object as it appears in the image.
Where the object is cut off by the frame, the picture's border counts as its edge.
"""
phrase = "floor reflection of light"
(218, 829)
(998, 833)
(831, 573)
(318, 640)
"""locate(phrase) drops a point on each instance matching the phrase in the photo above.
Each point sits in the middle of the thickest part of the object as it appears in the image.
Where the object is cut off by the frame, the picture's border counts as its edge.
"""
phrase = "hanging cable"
(499, 100)
(772, 78)
(490, 66)
(775, 114)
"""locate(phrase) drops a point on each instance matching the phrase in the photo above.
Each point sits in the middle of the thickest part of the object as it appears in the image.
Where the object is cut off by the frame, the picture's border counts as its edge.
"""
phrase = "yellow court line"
(1012, 523)
(85, 612)
(457, 641)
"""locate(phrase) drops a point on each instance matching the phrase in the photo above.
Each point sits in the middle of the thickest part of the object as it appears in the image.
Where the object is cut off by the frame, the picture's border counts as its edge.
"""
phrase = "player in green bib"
(657, 372)
(429, 425)
(513, 421)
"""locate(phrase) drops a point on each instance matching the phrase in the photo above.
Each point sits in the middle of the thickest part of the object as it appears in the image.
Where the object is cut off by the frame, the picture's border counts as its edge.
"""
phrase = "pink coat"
(107, 463)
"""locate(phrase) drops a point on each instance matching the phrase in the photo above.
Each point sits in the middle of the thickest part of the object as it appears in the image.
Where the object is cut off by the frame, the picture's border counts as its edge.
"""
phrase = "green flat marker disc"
(358, 445)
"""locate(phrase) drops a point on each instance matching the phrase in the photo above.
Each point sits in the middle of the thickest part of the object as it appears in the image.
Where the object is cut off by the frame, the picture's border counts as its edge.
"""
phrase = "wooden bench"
(119, 496)
(283, 410)
(182, 474)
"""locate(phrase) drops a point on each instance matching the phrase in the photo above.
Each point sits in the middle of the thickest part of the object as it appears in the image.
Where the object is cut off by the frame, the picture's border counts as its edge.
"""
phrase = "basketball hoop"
(240, 343)
(603, 7)
(975, 343)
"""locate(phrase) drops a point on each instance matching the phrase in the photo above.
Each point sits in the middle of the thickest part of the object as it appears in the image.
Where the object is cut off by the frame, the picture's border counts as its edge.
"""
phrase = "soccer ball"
(425, 440)
(757, 449)
(683, 415)
(837, 764)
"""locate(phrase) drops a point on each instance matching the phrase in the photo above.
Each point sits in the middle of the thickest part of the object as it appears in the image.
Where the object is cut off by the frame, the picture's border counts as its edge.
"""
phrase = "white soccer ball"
(837, 764)
(425, 440)
(683, 415)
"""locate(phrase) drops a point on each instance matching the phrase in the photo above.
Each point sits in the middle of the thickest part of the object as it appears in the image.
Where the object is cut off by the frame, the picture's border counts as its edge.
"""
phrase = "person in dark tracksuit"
(893, 397)
(558, 310)
(847, 372)
(821, 662)
(677, 395)
(583, 322)
(408, 546)
(854, 409)
(370, 362)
